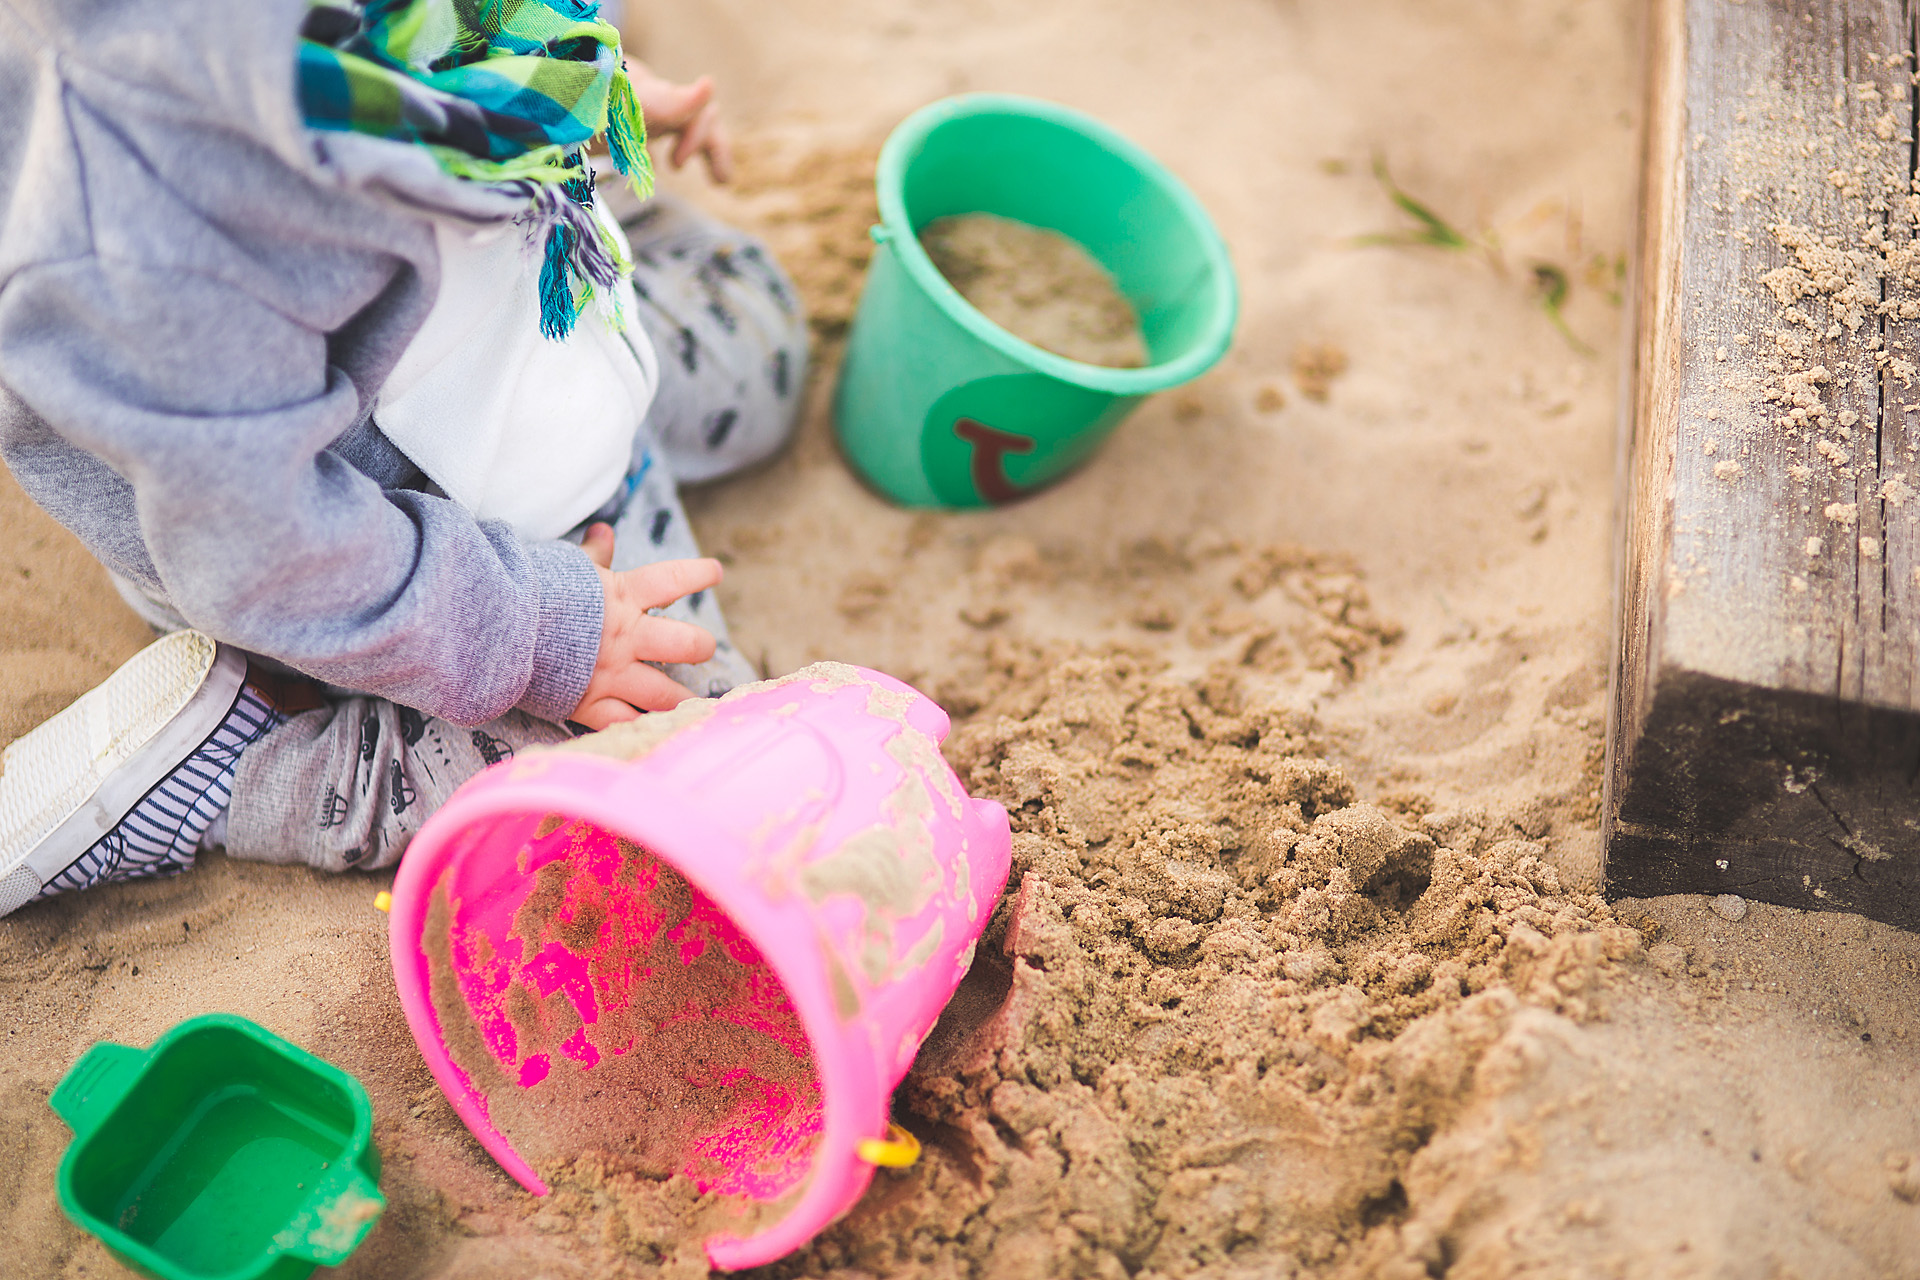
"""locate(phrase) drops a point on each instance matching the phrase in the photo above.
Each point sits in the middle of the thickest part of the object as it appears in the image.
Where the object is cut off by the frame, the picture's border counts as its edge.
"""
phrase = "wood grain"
(1764, 738)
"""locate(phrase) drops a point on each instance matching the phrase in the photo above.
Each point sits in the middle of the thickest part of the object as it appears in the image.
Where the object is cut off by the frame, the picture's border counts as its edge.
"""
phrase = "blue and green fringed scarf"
(502, 92)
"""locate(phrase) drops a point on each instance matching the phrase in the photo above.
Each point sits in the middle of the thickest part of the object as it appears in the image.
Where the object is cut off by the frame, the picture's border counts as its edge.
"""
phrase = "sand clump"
(1039, 286)
(1226, 1005)
(1315, 369)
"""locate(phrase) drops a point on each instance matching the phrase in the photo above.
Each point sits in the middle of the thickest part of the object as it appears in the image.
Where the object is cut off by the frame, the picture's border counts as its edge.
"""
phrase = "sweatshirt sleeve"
(218, 410)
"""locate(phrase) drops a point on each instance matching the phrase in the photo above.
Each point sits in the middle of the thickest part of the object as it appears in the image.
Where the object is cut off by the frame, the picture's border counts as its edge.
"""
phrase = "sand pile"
(1226, 1005)
(1039, 286)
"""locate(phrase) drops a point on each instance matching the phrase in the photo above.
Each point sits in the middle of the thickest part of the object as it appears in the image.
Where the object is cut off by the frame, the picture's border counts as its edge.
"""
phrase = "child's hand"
(623, 685)
(687, 114)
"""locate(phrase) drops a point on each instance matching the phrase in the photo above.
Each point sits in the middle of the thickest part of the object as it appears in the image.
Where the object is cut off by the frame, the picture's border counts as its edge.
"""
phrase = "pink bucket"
(725, 950)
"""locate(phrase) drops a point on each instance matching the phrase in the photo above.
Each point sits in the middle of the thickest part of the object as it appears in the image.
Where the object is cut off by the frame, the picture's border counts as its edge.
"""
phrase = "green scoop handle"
(95, 1085)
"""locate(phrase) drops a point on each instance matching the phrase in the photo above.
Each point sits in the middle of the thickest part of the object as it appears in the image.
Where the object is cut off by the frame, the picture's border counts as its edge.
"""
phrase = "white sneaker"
(68, 783)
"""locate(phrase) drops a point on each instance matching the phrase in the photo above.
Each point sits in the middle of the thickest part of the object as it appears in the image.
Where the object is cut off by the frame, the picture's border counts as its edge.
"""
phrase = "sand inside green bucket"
(1039, 286)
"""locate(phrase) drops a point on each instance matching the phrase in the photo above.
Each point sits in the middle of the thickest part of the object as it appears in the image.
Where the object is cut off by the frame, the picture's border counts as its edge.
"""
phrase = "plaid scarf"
(502, 92)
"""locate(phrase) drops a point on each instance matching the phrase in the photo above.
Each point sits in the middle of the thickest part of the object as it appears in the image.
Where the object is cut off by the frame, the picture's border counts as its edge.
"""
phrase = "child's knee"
(732, 340)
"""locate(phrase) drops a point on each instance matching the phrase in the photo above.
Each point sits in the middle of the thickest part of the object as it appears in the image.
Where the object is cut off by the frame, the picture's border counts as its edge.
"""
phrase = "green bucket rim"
(904, 144)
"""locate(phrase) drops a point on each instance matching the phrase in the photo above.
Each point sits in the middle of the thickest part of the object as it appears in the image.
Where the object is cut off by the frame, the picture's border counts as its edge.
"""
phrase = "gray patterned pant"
(347, 785)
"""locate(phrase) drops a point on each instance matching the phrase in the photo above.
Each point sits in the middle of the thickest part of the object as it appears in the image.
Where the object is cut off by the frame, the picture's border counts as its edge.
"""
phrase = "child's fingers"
(686, 145)
(698, 100)
(697, 136)
(669, 108)
(615, 697)
(720, 154)
(670, 640)
(603, 712)
(598, 544)
(655, 586)
(643, 687)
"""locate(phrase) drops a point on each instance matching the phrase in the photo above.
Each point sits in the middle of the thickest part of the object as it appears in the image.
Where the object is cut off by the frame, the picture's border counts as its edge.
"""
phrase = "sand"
(1330, 621)
(1039, 286)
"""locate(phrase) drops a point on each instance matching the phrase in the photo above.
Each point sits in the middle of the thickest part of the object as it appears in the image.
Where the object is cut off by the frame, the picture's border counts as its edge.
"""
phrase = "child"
(316, 330)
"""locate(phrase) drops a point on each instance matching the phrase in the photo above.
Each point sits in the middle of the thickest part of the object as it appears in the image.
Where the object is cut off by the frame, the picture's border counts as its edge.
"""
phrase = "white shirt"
(509, 423)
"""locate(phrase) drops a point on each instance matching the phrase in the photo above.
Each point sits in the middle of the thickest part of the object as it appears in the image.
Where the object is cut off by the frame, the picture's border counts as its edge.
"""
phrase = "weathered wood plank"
(1765, 737)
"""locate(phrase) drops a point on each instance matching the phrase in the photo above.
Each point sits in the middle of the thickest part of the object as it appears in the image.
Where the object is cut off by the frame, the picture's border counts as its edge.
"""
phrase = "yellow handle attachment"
(899, 1150)
(383, 901)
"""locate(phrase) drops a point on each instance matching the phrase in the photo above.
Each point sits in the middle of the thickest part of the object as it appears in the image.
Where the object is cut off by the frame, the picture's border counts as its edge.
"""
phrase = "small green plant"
(1550, 285)
(1431, 231)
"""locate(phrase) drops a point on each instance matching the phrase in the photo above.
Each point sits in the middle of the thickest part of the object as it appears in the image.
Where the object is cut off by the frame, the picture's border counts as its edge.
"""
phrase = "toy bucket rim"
(897, 229)
(525, 785)
(270, 1255)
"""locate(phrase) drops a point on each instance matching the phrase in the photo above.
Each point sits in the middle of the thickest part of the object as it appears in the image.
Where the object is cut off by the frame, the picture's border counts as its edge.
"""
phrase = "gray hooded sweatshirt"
(199, 301)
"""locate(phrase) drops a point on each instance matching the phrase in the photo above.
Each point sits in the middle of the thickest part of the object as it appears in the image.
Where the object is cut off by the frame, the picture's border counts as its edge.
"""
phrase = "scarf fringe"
(627, 135)
(576, 247)
(557, 310)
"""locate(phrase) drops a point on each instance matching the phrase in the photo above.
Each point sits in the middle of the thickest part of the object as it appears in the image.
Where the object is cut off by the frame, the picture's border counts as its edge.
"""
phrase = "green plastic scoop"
(222, 1151)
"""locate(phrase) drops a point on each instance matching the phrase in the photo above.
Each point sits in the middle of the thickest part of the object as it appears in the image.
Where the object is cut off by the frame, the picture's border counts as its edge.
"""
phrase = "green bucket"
(222, 1151)
(940, 407)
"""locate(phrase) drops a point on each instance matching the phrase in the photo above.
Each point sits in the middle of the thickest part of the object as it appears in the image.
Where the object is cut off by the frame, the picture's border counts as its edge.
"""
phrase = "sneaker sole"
(69, 782)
